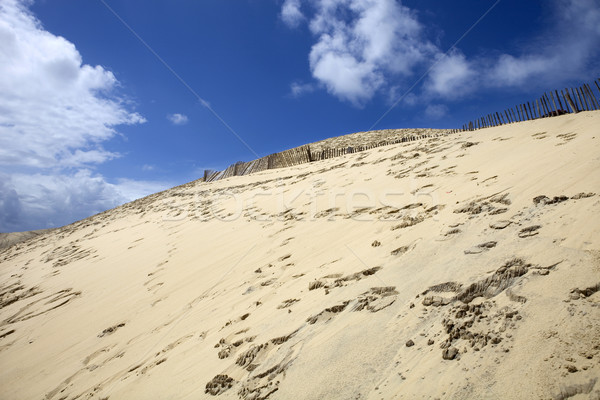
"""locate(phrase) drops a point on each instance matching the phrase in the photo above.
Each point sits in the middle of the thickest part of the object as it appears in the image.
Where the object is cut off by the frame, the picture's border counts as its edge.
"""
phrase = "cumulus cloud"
(55, 114)
(366, 47)
(178, 119)
(360, 44)
(291, 13)
(452, 76)
(53, 111)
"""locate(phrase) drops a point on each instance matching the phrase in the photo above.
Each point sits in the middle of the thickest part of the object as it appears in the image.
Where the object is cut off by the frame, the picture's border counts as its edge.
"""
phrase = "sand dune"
(456, 267)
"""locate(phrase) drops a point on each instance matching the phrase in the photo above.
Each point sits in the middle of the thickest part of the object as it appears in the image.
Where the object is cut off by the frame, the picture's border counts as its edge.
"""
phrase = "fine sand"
(465, 266)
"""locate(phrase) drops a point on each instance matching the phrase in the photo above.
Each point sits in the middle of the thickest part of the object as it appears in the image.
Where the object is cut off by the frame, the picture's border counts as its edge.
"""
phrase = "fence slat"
(545, 106)
(558, 99)
(567, 107)
(578, 104)
(587, 98)
(554, 103)
(548, 104)
(584, 103)
(593, 96)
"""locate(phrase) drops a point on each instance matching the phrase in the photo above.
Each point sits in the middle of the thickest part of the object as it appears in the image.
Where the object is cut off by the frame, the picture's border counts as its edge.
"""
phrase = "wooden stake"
(548, 105)
(591, 97)
(593, 94)
(547, 100)
(573, 99)
(578, 104)
(558, 98)
(542, 108)
(588, 98)
(584, 101)
(572, 102)
(547, 112)
(521, 113)
(553, 102)
(566, 102)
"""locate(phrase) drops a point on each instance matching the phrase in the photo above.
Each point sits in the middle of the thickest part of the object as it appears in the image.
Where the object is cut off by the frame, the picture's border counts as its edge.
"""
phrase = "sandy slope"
(8, 239)
(349, 278)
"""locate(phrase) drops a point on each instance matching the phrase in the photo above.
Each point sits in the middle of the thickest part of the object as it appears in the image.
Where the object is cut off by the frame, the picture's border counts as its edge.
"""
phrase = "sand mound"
(455, 267)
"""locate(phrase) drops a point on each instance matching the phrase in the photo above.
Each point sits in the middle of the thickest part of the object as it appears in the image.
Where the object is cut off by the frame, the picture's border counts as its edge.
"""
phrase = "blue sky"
(91, 118)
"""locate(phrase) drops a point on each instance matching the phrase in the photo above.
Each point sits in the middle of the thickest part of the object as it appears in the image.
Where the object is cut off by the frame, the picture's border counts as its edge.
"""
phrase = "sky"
(106, 101)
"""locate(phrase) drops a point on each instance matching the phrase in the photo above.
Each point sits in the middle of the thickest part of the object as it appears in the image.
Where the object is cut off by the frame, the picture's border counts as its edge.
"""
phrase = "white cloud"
(297, 89)
(54, 108)
(568, 49)
(37, 201)
(55, 113)
(132, 189)
(452, 76)
(436, 111)
(291, 13)
(178, 119)
(367, 47)
(362, 43)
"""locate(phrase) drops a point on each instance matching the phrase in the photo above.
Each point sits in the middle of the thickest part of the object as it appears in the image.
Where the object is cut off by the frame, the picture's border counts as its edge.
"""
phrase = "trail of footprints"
(263, 365)
(102, 357)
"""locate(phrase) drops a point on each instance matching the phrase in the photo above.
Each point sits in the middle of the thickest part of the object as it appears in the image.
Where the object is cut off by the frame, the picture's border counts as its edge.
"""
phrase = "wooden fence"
(566, 101)
(301, 155)
(572, 100)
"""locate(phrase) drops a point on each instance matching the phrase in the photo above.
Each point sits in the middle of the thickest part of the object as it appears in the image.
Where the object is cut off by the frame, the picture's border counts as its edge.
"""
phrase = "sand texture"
(464, 266)
(9, 239)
